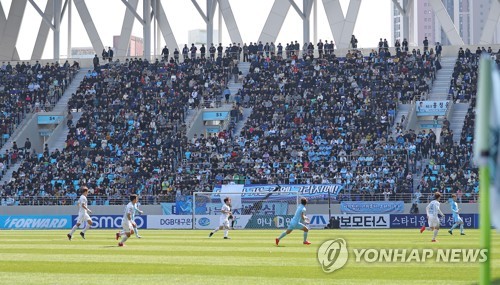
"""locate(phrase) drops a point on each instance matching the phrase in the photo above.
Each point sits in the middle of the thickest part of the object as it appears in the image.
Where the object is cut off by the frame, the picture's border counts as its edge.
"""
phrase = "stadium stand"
(314, 120)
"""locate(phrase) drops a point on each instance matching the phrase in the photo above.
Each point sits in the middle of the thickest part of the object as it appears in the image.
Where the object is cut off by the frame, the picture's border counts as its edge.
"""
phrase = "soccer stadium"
(263, 141)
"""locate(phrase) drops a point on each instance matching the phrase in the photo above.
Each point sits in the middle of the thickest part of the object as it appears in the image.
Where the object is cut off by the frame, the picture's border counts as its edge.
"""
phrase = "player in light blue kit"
(136, 211)
(297, 222)
(456, 217)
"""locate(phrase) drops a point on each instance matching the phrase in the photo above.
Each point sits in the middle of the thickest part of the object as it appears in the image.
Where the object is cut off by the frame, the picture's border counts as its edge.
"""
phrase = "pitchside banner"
(381, 207)
(419, 220)
(359, 221)
(310, 191)
(112, 221)
(186, 221)
(432, 108)
(35, 222)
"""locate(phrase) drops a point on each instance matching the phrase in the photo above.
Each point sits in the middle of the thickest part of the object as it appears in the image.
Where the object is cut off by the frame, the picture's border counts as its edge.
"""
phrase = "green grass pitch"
(250, 257)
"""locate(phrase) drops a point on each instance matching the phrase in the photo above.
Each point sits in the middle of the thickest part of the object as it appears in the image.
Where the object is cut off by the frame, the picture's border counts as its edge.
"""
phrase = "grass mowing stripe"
(189, 257)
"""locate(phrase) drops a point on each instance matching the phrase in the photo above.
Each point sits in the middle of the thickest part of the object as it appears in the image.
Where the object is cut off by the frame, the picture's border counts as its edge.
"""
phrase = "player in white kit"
(83, 214)
(225, 213)
(128, 223)
(433, 213)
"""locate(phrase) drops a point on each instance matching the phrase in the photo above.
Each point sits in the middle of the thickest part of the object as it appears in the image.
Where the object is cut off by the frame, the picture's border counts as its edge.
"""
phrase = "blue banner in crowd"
(309, 191)
(35, 222)
(432, 108)
(359, 207)
(404, 221)
(112, 221)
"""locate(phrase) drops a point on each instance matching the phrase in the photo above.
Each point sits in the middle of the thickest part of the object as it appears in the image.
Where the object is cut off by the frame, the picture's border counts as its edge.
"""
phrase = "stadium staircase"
(441, 86)
(58, 138)
(457, 118)
(439, 92)
(194, 120)
(234, 87)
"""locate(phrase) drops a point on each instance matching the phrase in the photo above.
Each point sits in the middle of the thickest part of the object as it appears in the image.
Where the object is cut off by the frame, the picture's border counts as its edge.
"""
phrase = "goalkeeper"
(297, 222)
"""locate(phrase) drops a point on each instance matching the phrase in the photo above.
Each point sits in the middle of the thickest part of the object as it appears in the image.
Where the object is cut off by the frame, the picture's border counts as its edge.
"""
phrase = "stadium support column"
(211, 5)
(307, 8)
(166, 30)
(57, 28)
(445, 20)
(232, 26)
(69, 28)
(275, 21)
(146, 29)
(305, 16)
(92, 33)
(340, 26)
(404, 10)
(491, 23)
(127, 25)
(43, 31)
(11, 29)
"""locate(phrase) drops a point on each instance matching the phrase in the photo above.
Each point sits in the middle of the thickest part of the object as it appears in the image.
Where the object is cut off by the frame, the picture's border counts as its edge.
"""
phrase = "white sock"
(216, 230)
(226, 232)
(73, 229)
(124, 238)
(428, 229)
(435, 234)
(86, 228)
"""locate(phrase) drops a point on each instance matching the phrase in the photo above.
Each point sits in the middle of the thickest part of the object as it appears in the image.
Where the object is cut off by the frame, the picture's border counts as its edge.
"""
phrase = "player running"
(136, 231)
(83, 214)
(225, 213)
(456, 217)
(296, 222)
(433, 213)
(128, 223)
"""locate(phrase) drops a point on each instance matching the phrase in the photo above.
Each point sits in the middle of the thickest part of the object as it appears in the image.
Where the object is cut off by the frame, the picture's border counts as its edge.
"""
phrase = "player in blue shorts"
(456, 217)
(297, 222)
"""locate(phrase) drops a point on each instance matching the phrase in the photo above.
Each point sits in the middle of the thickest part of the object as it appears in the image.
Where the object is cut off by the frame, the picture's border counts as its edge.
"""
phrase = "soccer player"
(136, 210)
(456, 217)
(297, 222)
(83, 214)
(128, 223)
(433, 213)
(225, 212)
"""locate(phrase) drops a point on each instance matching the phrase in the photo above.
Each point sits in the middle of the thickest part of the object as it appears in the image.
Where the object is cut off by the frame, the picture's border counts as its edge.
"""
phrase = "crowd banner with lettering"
(378, 207)
(399, 221)
(310, 191)
(432, 108)
(351, 221)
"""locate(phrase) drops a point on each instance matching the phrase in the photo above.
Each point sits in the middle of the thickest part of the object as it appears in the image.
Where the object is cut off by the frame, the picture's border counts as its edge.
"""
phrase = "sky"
(373, 22)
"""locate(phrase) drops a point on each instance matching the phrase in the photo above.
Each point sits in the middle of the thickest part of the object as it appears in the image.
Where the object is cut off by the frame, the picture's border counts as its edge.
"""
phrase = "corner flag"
(486, 155)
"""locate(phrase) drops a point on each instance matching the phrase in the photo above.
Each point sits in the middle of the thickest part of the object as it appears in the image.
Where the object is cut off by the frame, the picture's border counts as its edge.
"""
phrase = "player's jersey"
(129, 209)
(136, 210)
(298, 214)
(454, 208)
(81, 203)
(433, 209)
(227, 209)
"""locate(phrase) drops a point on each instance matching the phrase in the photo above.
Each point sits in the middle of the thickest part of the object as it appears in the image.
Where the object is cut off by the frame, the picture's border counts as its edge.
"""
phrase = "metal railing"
(169, 197)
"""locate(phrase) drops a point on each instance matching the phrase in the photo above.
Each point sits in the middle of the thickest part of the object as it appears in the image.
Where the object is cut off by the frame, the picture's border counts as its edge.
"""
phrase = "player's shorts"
(127, 226)
(433, 221)
(296, 226)
(224, 223)
(457, 219)
(82, 218)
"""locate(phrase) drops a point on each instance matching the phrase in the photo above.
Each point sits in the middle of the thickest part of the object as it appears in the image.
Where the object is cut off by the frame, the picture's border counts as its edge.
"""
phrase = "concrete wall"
(157, 210)
(31, 130)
